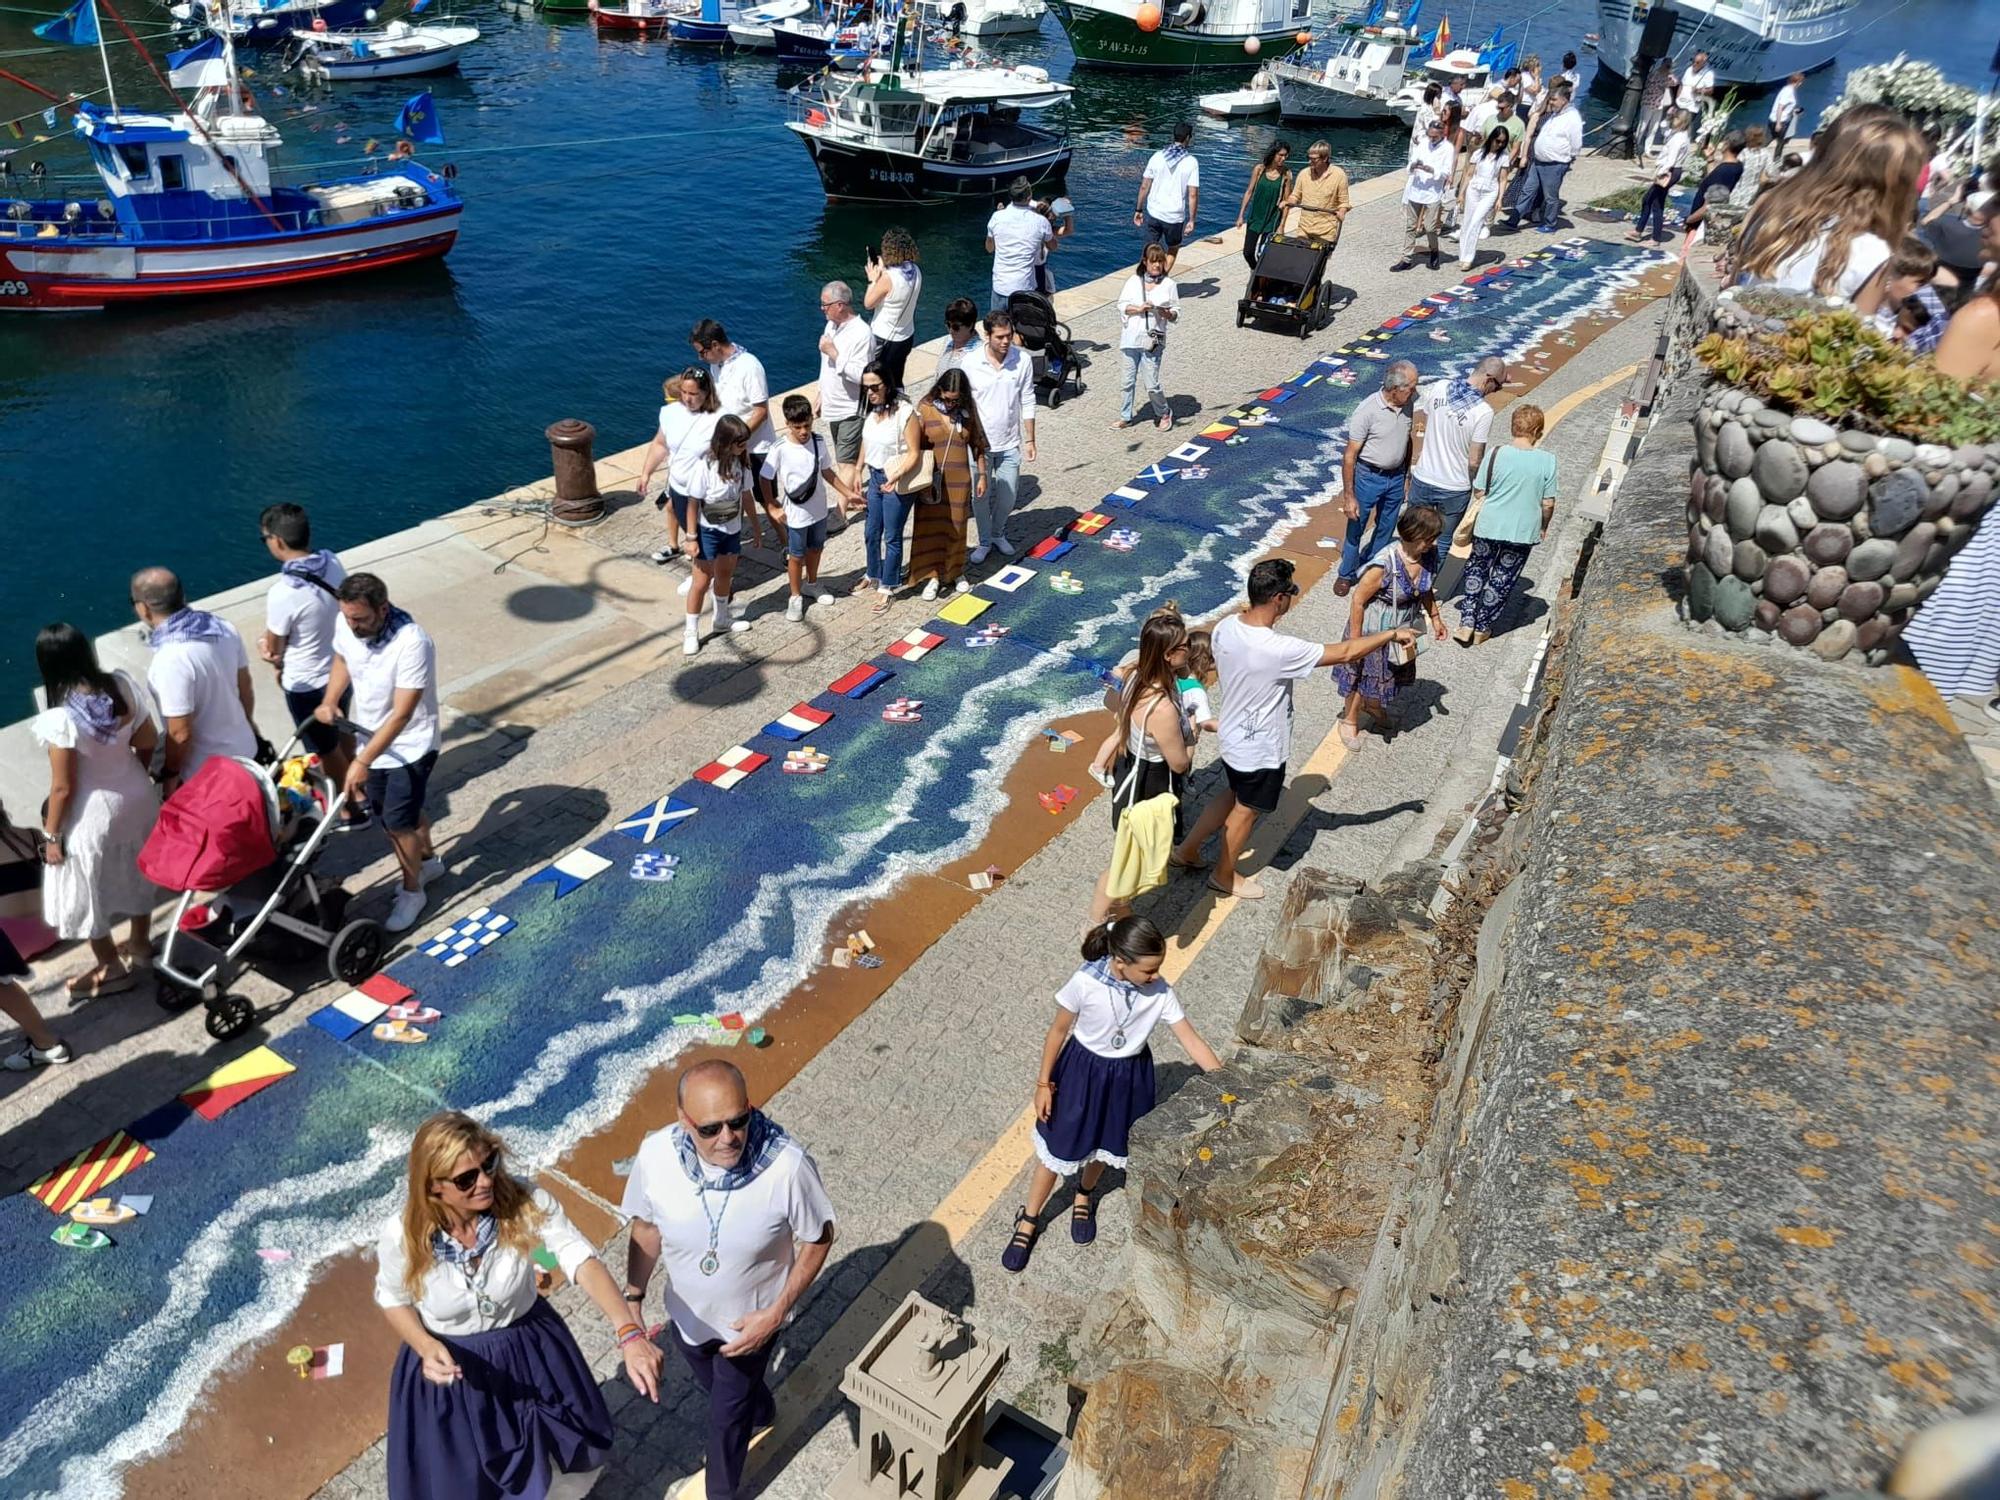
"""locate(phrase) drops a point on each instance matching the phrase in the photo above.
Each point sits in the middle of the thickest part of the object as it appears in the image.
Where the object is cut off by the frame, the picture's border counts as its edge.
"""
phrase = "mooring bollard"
(577, 500)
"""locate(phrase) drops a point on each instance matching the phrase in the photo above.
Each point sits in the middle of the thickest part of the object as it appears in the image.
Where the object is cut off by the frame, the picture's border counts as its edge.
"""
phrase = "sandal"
(1083, 1216)
(1350, 736)
(1186, 866)
(1022, 1245)
(93, 987)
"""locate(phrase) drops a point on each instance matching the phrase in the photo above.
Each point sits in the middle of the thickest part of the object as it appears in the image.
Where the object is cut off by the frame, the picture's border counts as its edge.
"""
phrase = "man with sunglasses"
(734, 1211)
(1257, 666)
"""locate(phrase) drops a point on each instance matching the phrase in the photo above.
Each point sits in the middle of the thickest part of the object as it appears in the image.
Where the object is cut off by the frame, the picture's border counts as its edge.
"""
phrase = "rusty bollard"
(577, 501)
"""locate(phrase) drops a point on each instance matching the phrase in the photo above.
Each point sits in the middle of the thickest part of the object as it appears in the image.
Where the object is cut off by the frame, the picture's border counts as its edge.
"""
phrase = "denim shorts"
(714, 544)
(799, 540)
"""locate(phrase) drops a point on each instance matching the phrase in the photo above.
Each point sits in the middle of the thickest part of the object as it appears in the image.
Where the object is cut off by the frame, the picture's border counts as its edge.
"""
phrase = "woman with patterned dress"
(1515, 490)
(948, 429)
(1394, 592)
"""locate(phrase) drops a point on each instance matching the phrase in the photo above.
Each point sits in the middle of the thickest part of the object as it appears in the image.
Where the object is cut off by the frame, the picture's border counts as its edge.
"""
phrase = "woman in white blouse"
(490, 1396)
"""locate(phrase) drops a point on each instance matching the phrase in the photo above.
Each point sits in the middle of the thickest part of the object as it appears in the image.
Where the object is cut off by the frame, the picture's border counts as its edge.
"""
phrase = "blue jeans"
(991, 509)
(1541, 194)
(1379, 496)
(882, 533)
(1143, 364)
(1451, 503)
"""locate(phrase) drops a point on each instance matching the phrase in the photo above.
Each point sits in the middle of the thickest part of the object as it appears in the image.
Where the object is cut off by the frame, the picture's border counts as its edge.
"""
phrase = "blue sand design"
(554, 1029)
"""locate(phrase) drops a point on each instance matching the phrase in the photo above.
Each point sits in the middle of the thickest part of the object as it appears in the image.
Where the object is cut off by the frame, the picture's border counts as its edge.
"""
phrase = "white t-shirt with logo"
(1448, 438)
(197, 680)
(1105, 1009)
(302, 614)
(408, 660)
(1167, 200)
(789, 465)
(754, 1229)
(739, 386)
(687, 435)
(1257, 667)
(1020, 237)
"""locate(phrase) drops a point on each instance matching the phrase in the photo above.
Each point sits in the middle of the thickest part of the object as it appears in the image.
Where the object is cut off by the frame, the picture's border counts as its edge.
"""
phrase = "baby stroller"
(1058, 367)
(253, 833)
(1289, 286)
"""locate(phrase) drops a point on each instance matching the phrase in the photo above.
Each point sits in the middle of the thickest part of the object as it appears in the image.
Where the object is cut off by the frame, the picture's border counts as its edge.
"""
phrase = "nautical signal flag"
(233, 1082)
(1090, 522)
(801, 720)
(656, 818)
(77, 26)
(419, 121)
(570, 871)
(863, 680)
(730, 767)
(87, 1173)
(916, 645)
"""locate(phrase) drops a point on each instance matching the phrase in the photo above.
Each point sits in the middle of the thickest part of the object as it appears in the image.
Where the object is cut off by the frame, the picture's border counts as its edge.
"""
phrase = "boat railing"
(55, 222)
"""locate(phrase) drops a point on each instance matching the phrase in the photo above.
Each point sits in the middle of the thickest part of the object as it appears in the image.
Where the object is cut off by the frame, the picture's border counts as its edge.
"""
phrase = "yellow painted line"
(1575, 399)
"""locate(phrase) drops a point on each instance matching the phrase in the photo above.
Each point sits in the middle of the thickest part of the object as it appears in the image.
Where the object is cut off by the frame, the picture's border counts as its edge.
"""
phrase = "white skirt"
(98, 882)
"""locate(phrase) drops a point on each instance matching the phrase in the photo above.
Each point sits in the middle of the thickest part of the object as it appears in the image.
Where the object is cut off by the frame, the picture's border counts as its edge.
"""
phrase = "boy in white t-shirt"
(798, 469)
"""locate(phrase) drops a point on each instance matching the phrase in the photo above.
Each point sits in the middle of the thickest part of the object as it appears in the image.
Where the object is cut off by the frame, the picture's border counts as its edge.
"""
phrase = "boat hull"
(46, 275)
(1240, 104)
(630, 25)
(1110, 39)
(274, 28)
(393, 67)
(859, 174)
(565, 7)
(1741, 57)
(1301, 99)
(697, 32)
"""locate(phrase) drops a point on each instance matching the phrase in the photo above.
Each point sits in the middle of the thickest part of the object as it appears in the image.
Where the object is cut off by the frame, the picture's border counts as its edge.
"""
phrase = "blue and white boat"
(270, 23)
(704, 28)
(192, 207)
(750, 30)
(398, 50)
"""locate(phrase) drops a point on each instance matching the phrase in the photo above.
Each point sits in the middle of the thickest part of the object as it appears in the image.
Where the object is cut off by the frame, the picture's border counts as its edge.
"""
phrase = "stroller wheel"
(1055, 398)
(230, 1016)
(356, 951)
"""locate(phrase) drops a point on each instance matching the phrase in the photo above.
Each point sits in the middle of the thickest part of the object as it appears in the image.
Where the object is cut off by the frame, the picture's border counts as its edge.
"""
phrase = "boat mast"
(103, 56)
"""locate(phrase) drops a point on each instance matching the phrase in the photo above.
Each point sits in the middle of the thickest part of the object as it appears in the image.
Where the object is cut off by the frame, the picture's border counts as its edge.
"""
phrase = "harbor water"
(617, 190)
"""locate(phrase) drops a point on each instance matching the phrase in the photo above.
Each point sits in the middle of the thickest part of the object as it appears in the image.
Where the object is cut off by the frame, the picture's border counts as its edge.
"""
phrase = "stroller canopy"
(218, 828)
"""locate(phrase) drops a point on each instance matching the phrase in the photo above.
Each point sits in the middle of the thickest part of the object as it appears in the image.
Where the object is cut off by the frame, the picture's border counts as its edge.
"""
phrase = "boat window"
(173, 173)
(136, 163)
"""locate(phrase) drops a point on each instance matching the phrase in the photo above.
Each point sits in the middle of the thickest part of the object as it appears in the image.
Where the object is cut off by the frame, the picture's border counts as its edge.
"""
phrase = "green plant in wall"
(1827, 363)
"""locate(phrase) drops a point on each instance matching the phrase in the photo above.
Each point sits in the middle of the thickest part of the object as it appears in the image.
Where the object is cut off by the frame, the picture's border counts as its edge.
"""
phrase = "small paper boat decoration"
(805, 761)
(400, 1031)
(421, 1015)
(655, 866)
(80, 1237)
(107, 1212)
(986, 635)
(904, 711)
(1063, 583)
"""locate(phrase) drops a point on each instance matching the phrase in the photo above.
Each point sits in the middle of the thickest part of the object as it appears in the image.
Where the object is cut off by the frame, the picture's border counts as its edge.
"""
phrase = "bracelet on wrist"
(631, 1338)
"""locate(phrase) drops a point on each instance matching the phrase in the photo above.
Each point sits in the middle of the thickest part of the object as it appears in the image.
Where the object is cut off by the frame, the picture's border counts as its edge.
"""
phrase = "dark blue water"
(617, 191)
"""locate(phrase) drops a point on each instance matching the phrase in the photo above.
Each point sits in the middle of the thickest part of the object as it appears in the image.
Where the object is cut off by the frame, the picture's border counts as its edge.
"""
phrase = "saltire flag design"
(864, 679)
(88, 1172)
(648, 823)
(916, 645)
(1089, 522)
(418, 120)
(571, 871)
(1011, 577)
(1155, 474)
(76, 26)
(796, 724)
(233, 1082)
(730, 767)
(462, 939)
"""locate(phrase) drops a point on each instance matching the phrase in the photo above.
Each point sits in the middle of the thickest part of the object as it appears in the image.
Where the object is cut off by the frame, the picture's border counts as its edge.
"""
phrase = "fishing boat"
(1186, 34)
(750, 30)
(564, 7)
(1471, 64)
(398, 50)
(702, 27)
(929, 137)
(1751, 43)
(643, 17)
(984, 18)
(1259, 98)
(816, 43)
(192, 208)
(271, 23)
(1358, 80)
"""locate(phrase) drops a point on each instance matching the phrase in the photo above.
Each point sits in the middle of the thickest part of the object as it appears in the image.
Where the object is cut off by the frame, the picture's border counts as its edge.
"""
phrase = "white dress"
(109, 816)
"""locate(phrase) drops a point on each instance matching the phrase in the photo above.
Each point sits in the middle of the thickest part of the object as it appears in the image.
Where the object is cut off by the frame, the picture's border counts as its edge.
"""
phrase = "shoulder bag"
(1396, 611)
(1461, 537)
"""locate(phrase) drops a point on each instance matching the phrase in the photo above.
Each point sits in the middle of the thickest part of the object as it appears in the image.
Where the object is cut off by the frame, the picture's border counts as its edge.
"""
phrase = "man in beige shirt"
(1320, 195)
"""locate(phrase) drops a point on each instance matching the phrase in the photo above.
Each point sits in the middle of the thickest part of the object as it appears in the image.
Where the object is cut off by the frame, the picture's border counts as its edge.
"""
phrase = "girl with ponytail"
(1097, 1072)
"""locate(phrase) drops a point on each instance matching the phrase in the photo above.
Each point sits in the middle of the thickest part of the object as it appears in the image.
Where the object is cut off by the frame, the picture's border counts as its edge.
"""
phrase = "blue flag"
(208, 47)
(77, 26)
(419, 7)
(419, 121)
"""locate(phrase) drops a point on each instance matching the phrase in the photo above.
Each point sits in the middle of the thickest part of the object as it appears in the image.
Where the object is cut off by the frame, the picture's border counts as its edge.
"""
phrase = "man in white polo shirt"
(734, 1212)
(1697, 88)
(844, 348)
(1554, 145)
(1432, 162)
(1169, 194)
(200, 676)
(1257, 667)
(741, 390)
(1002, 377)
(1017, 238)
(391, 664)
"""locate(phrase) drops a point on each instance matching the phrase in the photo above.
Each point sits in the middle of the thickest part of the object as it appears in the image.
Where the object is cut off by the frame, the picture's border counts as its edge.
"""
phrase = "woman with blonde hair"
(895, 281)
(1151, 748)
(1830, 229)
(491, 1397)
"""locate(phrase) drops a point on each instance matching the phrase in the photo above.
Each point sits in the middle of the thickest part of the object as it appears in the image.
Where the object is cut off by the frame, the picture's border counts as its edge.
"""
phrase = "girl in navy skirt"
(491, 1397)
(1097, 1072)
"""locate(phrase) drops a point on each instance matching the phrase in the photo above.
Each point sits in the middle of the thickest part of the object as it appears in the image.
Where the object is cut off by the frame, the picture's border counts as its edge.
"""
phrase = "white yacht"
(984, 18)
(1357, 81)
(1756, 43)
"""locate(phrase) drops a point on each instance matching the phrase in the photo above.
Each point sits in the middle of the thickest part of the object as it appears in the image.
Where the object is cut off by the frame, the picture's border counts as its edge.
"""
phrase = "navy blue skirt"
(526, 1407)
(1097, 1099)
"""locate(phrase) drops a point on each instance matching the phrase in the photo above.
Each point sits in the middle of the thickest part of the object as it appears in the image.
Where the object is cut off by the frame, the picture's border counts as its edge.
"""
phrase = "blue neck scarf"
(449, 1252)
(766, 1140)
(1174, 153)
(1460, 397)
(396, 620)
(301, 571)
(190, 625)
(93, 713)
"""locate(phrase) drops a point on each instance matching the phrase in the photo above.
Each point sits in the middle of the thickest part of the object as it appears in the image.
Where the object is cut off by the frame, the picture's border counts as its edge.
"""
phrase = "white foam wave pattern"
(816, 895)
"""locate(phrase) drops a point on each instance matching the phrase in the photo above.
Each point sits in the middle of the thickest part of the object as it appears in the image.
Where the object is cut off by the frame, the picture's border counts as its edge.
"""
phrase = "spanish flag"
(1443, 43)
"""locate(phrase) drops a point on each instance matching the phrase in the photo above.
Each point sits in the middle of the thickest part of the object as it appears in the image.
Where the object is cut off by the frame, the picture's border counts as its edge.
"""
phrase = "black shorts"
(1257, 790)
(397, 793)
(321, 739)
(1159, 232)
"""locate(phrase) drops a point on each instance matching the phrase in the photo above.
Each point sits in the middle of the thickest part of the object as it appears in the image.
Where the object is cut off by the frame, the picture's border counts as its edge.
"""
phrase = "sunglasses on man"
(467, 1180)
(715, 1128)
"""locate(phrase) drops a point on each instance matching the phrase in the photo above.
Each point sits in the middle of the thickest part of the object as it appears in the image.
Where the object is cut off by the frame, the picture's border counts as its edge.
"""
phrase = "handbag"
(1462, 535)
(1394, 613)
(21, 869)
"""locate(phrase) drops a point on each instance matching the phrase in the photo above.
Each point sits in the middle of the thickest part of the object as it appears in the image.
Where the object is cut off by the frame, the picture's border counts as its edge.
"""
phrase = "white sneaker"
(686, 584)
(817, 590)
(1002, 546)
(665, 555)
(981, 552)
(30, 1057)
(795, 608)
(429, 870)
(691, 642)
(404, 911)
(931, 589)
(961, 587)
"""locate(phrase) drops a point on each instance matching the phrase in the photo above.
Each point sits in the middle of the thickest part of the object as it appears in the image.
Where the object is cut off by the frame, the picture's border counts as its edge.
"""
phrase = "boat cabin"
(968, 117)
(1370, 62)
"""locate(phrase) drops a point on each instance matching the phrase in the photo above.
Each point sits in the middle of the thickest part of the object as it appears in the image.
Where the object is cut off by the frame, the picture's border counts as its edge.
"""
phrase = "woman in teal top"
(1515, 490)
(1259, 214)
